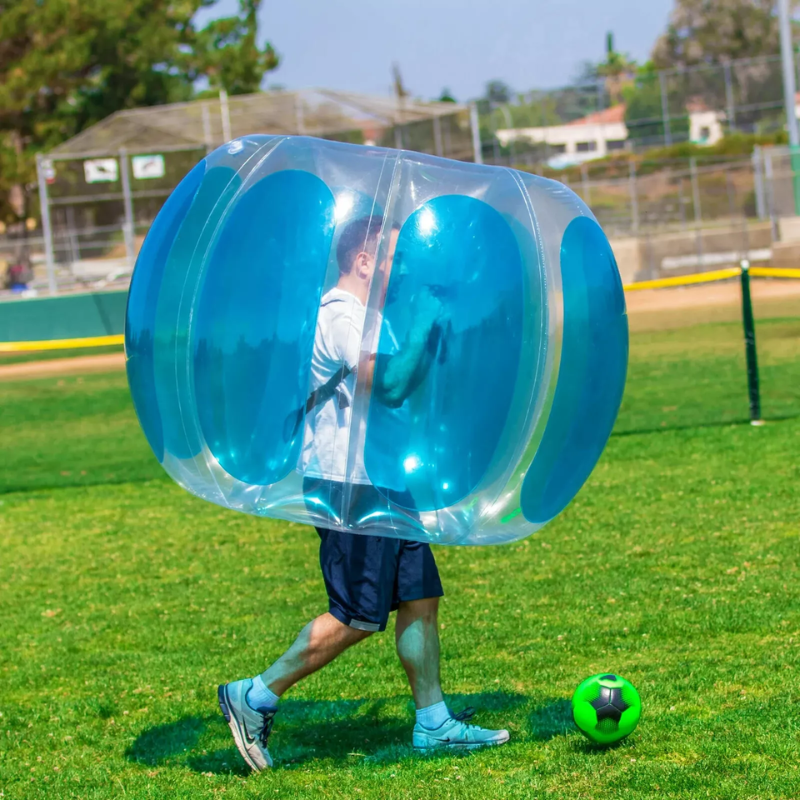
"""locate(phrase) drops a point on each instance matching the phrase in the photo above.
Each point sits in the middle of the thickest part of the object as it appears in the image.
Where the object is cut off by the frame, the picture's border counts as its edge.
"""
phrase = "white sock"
(432, 717)
(259, 696)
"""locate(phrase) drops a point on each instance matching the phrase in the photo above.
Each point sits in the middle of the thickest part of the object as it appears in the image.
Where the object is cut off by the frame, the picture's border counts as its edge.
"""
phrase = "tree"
(227, 53)
(644, 110)
(497, 92)
(66, 64)
(713, 31)
(400, 91)
(616, 71)
(446, 96)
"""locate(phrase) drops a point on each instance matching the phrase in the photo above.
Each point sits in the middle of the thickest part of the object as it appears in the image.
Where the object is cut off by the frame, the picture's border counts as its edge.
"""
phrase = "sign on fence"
(145, 167)
(101, 170)
(48, 170)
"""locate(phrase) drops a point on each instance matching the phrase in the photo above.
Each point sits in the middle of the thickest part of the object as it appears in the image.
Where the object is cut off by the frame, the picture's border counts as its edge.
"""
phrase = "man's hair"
(359, 236)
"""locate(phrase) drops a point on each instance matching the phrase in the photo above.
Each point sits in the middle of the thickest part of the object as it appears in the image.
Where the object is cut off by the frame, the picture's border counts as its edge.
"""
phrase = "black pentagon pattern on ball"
(609, 706)
(609, 677)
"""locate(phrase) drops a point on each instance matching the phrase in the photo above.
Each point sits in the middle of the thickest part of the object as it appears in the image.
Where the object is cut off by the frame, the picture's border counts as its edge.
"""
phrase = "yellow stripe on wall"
(687, 280)
(62, 344)
(662, 283)
(774, 272)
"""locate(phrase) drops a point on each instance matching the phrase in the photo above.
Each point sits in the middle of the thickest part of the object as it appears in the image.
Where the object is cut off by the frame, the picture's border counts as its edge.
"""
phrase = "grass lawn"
(125, 601)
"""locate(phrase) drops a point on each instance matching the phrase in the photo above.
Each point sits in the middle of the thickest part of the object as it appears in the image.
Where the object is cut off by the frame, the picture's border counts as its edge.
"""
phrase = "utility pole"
(789, 82)
(790, 94)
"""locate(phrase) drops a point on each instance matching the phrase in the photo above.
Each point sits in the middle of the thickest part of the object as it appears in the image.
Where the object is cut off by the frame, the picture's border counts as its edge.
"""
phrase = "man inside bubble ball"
(366, 577)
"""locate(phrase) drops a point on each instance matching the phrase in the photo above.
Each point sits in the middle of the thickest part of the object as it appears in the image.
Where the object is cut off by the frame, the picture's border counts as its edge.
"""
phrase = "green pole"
(750, 346)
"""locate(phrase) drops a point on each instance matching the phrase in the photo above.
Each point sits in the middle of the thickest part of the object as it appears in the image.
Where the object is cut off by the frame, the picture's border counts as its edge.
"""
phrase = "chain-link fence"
(100, 191)
(636, 196)
(99, 208)
(697, 104)
(665, 216)
(679, 215)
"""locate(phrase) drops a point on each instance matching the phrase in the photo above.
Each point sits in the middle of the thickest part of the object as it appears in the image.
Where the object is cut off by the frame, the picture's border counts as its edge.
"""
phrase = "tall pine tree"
(66, 64)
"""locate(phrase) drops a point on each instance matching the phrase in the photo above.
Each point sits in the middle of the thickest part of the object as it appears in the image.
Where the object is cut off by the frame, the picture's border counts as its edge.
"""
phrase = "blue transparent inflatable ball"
(376, 341)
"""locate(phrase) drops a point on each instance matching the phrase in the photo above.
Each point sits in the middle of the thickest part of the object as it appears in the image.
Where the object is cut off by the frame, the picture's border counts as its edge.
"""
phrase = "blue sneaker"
(250, 727)
(457, 734)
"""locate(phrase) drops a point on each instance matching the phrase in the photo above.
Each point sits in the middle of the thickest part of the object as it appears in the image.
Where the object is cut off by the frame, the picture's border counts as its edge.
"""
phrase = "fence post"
(682, 203)
(127, 198)
(729, 102)
(207, 138)
(587, 190)
(750, 346)
(437, 136)
(758, 182)
(299, 115)
(634, 198)
(698, 211)
(662, 82)
(731, 190)
(225, 114)
(42, 166)
(510, 123)
(790, 94)
(476, 133)
(770, 193)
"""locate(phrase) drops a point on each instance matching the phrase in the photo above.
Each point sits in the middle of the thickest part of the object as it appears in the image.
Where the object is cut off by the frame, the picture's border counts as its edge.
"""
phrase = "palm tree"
(617, 71)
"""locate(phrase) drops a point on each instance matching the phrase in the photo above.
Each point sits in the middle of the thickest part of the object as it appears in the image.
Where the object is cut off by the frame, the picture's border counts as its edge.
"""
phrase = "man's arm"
(395, 377)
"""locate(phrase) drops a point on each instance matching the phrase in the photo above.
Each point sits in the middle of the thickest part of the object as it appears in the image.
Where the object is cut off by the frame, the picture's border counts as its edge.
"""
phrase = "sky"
(459, 44)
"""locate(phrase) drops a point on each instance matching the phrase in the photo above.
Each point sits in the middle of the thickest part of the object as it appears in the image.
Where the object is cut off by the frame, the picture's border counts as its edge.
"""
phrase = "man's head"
(357, 253)
(358, 245)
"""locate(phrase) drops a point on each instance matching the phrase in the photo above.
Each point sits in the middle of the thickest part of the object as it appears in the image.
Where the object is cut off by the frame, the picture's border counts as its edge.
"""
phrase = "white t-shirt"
(327, 432)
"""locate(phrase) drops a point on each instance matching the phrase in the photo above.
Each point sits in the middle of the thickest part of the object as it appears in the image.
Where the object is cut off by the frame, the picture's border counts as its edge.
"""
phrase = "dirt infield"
(107, 362)
(657, 309)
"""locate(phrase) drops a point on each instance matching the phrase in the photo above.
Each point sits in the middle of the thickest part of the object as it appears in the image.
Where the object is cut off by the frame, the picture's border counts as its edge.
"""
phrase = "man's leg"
(249, 706)
(322, 640)
(356, 570)
(417, 639)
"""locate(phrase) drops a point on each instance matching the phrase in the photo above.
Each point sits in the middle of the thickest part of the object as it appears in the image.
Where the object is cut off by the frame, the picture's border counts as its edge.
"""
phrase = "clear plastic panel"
(448, 354)
(255, 322)
(140, 317)
(376, 341)
(591, 377)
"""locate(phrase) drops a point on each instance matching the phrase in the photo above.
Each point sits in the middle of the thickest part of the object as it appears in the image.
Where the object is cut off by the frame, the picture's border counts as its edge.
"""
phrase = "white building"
(595, 136)
(604, 133)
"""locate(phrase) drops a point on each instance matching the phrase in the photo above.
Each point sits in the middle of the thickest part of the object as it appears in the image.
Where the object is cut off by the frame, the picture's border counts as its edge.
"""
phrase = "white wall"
(570, 136)
(601, 134)
(705, 119)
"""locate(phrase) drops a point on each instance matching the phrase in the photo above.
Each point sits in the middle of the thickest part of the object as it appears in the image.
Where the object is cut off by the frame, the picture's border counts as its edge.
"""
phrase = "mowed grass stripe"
(125, 600)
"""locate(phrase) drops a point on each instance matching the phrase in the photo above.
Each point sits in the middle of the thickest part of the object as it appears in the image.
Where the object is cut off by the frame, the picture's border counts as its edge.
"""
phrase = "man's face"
(385, 267)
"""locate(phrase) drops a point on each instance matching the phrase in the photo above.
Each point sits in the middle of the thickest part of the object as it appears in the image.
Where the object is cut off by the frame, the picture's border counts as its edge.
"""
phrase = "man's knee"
(426, 609)
(357, 636)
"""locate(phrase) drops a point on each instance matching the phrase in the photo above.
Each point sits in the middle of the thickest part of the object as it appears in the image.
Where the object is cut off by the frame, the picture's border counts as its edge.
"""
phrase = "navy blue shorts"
(367, 577)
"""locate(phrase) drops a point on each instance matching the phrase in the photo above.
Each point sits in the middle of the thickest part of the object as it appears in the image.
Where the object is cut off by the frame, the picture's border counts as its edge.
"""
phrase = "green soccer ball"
(606, 708)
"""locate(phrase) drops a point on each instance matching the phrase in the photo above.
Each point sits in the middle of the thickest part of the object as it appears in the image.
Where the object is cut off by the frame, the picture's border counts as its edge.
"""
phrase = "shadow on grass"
(551, 720)
(591, 749)
(307, 730)
(738, 421)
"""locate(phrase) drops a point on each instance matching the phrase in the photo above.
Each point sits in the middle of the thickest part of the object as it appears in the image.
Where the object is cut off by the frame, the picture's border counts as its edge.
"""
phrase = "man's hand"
(428, 311)
(399, 375)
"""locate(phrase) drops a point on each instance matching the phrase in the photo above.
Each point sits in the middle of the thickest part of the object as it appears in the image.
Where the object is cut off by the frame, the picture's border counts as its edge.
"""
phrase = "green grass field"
(124, 601)
(50, 355)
